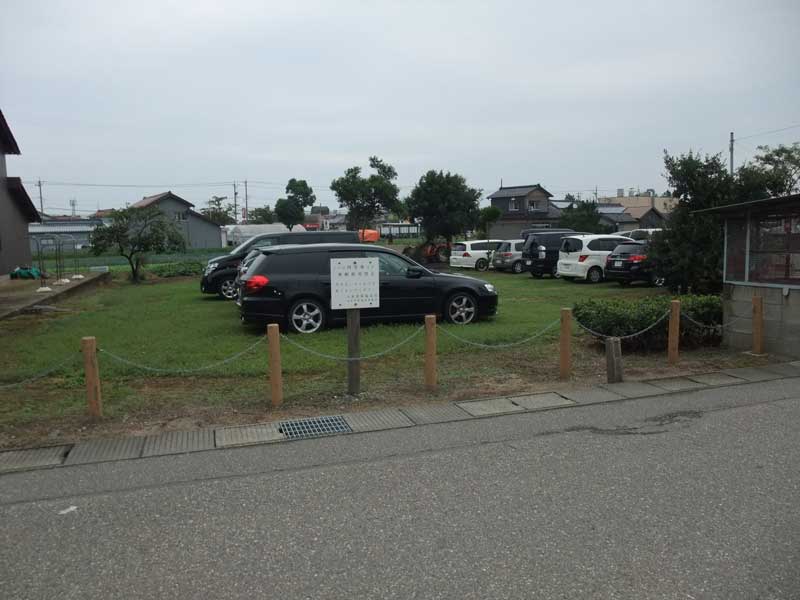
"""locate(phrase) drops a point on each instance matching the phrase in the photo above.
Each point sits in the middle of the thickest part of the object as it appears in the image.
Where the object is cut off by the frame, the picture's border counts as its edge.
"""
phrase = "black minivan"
(540, 251)
(292, 285)
(219, 276)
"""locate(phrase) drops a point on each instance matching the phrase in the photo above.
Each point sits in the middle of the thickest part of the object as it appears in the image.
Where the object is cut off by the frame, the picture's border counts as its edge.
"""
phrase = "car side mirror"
(413, 273)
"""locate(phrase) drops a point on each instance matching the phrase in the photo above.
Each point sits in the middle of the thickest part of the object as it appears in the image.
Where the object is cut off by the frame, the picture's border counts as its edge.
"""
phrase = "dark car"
(292, 285)
(628, 263)
(540, 252)
(220, 273)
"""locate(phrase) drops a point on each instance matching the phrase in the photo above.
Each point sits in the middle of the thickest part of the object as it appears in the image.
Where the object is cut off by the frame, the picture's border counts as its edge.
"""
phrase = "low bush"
(176, 269)
(619, 318)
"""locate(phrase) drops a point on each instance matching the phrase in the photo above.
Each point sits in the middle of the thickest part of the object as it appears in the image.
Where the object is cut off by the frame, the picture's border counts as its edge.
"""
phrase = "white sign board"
(354, 283)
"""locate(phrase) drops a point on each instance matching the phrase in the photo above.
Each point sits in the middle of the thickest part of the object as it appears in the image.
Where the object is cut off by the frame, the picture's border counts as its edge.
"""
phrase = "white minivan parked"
(584, 256)
(473, 254)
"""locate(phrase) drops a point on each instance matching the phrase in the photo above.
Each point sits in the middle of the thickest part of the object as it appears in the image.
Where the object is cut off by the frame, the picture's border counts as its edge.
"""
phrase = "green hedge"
(176, 269)
(619, 318)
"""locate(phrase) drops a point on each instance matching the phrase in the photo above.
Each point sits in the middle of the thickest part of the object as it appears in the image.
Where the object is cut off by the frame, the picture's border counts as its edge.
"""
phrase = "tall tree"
(570, 198)
(487, 217)
(289, 212)
(260, 215)
(218, 211)
(781, 167)
(443, 204)
(583, 216)
(298, 191)
(366, 197)
(136, 232)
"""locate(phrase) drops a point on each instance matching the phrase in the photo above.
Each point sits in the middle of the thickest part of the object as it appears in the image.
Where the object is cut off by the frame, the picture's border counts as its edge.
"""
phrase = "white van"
(584, 256)
(473, 254)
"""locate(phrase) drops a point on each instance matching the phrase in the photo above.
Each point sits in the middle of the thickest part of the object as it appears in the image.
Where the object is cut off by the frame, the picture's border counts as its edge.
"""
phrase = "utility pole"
(246, 207)
(731, 153)
(73, 203)
(235, 204)
(41, 202)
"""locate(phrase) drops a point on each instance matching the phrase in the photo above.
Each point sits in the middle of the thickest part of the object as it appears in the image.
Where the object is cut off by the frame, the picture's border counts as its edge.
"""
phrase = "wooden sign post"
(355, 284)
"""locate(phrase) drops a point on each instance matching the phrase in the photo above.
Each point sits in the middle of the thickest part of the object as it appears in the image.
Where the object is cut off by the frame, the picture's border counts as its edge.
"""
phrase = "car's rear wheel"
(517, 267)
(657, 281)
(481, 264)
(595, 275)
(227, 289)
(461, 308)
(536, 275)
(306, 316)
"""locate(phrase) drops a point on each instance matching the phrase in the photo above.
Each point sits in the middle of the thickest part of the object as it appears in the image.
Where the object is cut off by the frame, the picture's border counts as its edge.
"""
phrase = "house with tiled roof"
(197, 230)
(16, 209)
(522, 207)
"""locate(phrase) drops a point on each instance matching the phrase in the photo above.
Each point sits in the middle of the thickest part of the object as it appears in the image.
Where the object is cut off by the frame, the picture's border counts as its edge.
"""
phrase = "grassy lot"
(170, 325)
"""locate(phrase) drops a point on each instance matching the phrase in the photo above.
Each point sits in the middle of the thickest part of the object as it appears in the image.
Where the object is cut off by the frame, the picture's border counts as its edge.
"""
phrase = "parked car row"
(564, 253)
(285, 278)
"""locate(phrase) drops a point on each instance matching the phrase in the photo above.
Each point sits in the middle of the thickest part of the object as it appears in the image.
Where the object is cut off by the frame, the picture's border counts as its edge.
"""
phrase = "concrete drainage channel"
(181, 442)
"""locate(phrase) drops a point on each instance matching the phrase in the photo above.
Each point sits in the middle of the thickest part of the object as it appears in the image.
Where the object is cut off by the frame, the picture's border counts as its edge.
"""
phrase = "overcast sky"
(570, 95)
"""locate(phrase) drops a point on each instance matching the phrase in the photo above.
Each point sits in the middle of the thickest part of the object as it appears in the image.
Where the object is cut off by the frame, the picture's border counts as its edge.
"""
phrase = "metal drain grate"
(313, 427)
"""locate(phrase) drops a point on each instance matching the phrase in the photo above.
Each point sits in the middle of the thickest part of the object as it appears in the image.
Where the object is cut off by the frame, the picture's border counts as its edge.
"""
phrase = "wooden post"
(613, 360)
(430, 352)
(275, 374)
(565, 351)
(94, 399)
(353, 351)
(758, 325)
(674, 332)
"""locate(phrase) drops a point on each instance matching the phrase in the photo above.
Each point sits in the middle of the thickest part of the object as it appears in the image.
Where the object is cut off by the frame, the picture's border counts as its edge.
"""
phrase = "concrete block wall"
(781, 318)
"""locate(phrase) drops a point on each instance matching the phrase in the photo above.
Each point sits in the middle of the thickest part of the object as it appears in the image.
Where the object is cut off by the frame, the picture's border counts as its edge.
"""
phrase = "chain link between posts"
(623, 337)
(348, 359)
(219, 363)
(40, 374)
(715, 326)
(501, 345)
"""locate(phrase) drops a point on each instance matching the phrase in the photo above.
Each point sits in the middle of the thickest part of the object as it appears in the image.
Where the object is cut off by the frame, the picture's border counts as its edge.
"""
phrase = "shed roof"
(637, 212)
(518, 190)
(742, 207)
(21, 199)
(618, 217)
(155, 199)
(8, 145)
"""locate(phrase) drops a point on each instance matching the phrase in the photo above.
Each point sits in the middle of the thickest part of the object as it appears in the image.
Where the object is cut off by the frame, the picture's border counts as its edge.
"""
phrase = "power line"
(768, 132)
(129, 185)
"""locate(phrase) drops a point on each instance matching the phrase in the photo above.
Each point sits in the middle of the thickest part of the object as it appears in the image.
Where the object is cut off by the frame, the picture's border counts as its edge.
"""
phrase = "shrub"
(619, 318)
(176, 269)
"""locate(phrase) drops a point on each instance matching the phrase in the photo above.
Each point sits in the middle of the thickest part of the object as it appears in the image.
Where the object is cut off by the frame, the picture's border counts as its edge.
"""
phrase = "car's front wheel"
(517, 267)
(657, 281)
(306, 316)
(461, 308)
(481, 264)
(227, 288)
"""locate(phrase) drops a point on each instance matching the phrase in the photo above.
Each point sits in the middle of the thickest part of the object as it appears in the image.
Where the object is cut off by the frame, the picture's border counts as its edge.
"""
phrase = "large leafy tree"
(781, 167)
(583, 216)
(218, 211)
(444, 205)
(136, 232)
(366, 197)
(289, 212)
(298, 191)
(260, 215)
(487, 217)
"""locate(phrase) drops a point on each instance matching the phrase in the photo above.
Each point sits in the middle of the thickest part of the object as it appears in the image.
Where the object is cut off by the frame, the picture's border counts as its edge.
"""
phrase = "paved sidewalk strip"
(677, 384)
(538, 401)
(633, 389)
(15, 460)
(375, 420)
(178, 442)
(437, 413)
(248, 434)
(715, 379)
(494, 406)
(589, 395)
(784, 369)
(104, 450)
(752, 374)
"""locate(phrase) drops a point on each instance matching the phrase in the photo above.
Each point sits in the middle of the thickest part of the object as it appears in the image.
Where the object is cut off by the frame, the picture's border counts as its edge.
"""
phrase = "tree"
(583, 216)
(261, 215)
(487, 217)
(298, 191)
(443, 204)
(221, 214)
(320, 210)
(570, 198)
(135, 232)
(366, 197)
(289, 212)
(781, 167)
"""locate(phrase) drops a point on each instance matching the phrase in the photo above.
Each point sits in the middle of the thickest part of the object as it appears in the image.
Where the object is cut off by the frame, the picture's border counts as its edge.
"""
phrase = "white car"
(584, 256)
(639, 234)
(473, 254)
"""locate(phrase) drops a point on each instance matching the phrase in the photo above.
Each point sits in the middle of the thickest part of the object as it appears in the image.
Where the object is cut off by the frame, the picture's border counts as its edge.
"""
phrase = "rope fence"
(536, 335)
(389, 350)
(623, 337)
(40, 374)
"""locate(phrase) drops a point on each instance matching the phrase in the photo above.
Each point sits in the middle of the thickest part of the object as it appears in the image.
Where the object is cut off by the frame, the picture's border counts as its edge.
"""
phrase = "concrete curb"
(209, 439)
(58, 294)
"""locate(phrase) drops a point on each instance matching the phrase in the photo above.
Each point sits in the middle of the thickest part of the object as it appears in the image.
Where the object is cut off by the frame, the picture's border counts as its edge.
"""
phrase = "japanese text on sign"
(355, 283)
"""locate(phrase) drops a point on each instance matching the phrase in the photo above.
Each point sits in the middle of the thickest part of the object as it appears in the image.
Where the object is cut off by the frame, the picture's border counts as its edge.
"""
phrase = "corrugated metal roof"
(60, 228)
(517, 190)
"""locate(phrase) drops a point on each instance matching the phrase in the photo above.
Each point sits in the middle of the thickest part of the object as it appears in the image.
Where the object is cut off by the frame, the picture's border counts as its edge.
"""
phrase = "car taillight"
(542, 251)
(465, 255)
(583, 257)
(638, 257)
(255, 283)
(506, 254)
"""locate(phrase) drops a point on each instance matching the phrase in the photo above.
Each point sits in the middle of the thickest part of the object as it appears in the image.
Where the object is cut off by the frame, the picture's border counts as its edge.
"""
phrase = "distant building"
(16, 209)
(647, 217)
(522, 207)
(663, 204)
(63, 227)
(197, 230)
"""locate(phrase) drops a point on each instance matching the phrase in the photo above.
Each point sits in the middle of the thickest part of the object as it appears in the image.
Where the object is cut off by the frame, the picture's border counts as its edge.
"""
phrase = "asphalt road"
(692, 495)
